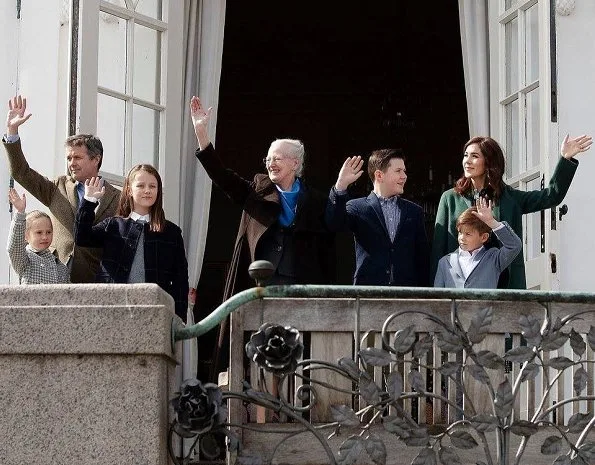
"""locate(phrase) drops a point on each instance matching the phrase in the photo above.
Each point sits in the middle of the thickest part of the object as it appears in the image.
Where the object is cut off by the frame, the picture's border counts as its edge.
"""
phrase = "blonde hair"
(35, 215)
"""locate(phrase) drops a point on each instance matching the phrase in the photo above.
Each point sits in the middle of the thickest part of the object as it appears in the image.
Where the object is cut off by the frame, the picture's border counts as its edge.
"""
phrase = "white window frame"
(538, 270)
(171, 89)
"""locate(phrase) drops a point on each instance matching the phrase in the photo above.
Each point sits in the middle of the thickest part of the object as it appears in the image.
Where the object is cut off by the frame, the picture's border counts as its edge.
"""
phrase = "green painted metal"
(373, 292)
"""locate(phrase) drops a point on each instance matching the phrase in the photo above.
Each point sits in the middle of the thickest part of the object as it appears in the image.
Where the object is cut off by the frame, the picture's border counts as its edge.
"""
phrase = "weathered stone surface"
(86, 372)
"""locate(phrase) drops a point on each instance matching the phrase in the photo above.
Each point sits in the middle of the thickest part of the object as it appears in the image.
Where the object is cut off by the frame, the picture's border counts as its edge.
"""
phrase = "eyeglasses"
(269, 160)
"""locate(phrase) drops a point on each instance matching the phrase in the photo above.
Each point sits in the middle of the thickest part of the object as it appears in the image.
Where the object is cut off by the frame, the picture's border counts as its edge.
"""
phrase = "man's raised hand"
(17, 108)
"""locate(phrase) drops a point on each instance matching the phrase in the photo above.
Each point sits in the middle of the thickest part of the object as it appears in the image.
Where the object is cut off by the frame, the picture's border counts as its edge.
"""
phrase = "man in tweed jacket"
(62, 195)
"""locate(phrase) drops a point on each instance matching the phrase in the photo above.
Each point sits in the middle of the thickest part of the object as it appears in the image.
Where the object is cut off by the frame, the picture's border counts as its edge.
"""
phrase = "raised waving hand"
(200, 121)
(17, 114)
(349, 173)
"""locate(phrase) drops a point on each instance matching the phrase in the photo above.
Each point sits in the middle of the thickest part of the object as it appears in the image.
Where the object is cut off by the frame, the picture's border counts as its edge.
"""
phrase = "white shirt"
(468, 260)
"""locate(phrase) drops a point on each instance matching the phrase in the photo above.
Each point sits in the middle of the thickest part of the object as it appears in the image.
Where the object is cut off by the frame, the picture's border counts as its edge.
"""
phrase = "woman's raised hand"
(200, 120)
(94, 188)
(570, 147)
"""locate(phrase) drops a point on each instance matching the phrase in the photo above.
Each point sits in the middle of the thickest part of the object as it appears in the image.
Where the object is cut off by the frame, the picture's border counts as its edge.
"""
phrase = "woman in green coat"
(483, 168)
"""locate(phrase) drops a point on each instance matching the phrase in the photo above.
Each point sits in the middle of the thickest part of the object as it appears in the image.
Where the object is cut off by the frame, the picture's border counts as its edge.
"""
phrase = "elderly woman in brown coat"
(282, 219)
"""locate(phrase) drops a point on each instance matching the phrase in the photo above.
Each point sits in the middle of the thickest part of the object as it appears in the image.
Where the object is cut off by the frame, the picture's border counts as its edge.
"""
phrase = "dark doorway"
(345, 79)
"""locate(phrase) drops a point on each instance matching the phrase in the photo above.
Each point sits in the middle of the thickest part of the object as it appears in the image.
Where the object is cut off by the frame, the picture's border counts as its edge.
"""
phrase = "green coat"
(513, 204)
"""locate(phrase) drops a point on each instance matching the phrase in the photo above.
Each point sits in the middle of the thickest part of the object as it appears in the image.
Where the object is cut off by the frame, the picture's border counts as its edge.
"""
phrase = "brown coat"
(61, 198)
(313, 242)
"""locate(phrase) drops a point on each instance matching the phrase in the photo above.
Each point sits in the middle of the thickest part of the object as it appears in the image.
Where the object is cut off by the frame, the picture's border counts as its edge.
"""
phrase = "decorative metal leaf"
(426, 456)
(523, 428)
(417, 437)
(376, 449)
(530, 329)
(404, 339)
(344, 415)
(579, 380)
(576, 342)
(484, 422)
(562, 460)
(559, 363)
(554, 340)
(448, 456)
(552, 445)
(480, 324)
(504, 400)
(530, 371)
(587, 450)
(449, 368)
(519, 354)
(478, 373)
(397, 425)
(449, 342)
(417, 381)
(578, 460)
(557, 324)
(489, 359)
(249, 460)
(350, 450)
(421, 347)
(462, 440)
(591, 337)
(578, 421)
(394, 385)
(369, 390)
(375, 357)
(350, 367)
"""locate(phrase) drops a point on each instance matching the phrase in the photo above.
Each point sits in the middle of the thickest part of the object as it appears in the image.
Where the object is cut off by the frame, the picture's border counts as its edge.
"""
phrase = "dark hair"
(469, 219)
(494, 164)
(126, 206)
(92, 143)
(380, 159)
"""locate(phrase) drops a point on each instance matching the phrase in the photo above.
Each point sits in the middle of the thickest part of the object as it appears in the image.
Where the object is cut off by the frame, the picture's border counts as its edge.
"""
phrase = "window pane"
(145, 136)
(112, 52)
(152, 8)
(111, 118)
(532, 45)
(510, 3)
(121, 3)
(512, 56)
(533, 226)
(512, 139)
(147, 63)
(533, 139)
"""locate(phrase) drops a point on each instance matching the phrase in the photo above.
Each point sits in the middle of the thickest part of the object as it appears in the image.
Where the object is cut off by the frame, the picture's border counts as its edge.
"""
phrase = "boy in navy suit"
(472, 265)
(391, 245)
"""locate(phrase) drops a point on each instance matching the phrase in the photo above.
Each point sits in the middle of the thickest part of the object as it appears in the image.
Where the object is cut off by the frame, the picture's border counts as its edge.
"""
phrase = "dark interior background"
(345, 79)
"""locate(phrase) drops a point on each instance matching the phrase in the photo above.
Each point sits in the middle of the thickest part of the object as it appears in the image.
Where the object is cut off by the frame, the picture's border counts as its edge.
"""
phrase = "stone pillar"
(86, 373)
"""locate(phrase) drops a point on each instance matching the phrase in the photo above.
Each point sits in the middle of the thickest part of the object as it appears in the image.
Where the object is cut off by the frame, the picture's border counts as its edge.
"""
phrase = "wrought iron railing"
(430, 350)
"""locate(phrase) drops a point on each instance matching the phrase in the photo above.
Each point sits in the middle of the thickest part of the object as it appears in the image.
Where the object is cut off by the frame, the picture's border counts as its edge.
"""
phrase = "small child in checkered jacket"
(28, 246)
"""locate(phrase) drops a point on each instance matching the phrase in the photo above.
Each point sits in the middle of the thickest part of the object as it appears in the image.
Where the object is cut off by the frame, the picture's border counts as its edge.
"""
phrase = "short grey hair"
(292, 148)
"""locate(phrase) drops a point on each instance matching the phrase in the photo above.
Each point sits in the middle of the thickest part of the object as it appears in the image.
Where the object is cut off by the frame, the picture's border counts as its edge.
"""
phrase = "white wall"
(39, 45)
(576, 115)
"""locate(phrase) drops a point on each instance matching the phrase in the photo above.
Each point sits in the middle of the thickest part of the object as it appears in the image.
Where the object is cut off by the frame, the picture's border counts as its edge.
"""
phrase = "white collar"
(473, 254)
(135, 216)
